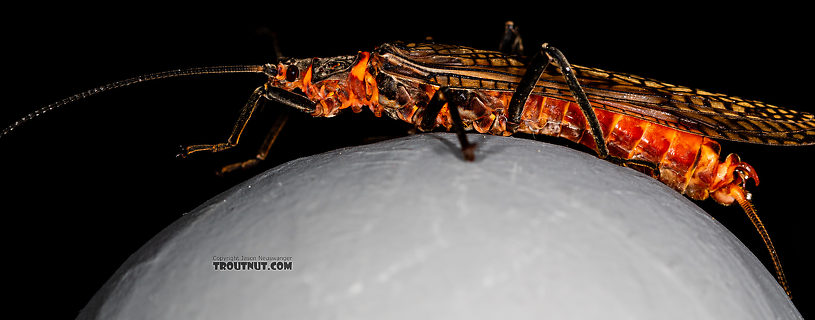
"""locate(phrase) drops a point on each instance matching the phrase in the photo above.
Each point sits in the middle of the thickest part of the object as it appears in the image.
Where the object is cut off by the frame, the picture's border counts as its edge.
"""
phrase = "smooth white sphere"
(405, 229)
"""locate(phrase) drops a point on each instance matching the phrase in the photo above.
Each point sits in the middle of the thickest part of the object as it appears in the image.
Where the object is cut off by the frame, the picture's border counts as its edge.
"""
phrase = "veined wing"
(696, 111)
(714, 115)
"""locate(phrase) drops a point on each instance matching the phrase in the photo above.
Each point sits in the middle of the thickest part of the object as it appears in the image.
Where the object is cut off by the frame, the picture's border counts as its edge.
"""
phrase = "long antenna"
(267, 69)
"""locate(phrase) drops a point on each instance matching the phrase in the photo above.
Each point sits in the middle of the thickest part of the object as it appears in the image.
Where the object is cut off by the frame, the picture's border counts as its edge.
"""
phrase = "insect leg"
(539, 62)
(246, 113)
(511, 41)
(646, 167)
(263, 152)
(534, 70)
(453, 99)
(271, 93)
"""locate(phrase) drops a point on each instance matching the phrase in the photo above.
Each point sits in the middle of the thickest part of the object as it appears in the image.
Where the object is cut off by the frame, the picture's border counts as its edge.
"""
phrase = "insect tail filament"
(741, 197)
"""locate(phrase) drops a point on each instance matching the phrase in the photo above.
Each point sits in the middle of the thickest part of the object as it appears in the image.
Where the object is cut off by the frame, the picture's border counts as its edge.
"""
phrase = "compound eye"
(292, 73)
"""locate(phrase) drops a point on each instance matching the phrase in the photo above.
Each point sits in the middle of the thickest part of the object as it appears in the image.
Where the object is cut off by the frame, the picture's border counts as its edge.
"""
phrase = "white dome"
(406, 229)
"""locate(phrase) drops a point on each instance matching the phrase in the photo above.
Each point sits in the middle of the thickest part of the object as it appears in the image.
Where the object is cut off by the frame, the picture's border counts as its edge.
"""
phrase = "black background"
(89, 184)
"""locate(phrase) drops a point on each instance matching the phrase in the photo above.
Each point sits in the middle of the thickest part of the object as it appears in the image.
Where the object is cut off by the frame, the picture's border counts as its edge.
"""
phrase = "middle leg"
(453, 99)
(511, 42)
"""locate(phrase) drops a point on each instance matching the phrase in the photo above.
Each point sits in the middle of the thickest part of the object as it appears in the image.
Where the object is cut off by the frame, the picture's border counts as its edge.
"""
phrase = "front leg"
(263, 152)
(275, 94)
(246, 113)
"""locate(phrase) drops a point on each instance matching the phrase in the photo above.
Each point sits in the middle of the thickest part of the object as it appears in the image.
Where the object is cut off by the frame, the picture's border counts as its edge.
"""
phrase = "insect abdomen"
(686, 162)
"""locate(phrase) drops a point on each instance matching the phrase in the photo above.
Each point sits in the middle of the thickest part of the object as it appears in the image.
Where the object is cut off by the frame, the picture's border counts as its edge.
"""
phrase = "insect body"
(664, 130)
(400, 80)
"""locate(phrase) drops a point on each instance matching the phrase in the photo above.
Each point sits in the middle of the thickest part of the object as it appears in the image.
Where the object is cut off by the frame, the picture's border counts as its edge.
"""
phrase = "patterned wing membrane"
(454, 66)
(709, 114)
(446, 55)
(690, 110)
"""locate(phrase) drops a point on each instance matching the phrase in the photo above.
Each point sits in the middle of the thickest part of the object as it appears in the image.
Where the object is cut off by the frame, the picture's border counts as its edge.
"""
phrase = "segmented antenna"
(267, 69)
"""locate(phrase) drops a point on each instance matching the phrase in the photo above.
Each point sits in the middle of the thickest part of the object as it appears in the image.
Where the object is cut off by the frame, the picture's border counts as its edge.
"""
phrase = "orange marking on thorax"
(307, 79)
(358, 71)
(362, 89)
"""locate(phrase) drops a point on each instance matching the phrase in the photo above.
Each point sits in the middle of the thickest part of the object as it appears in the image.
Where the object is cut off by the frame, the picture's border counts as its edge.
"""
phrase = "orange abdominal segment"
(626, 135)
(687, 162)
